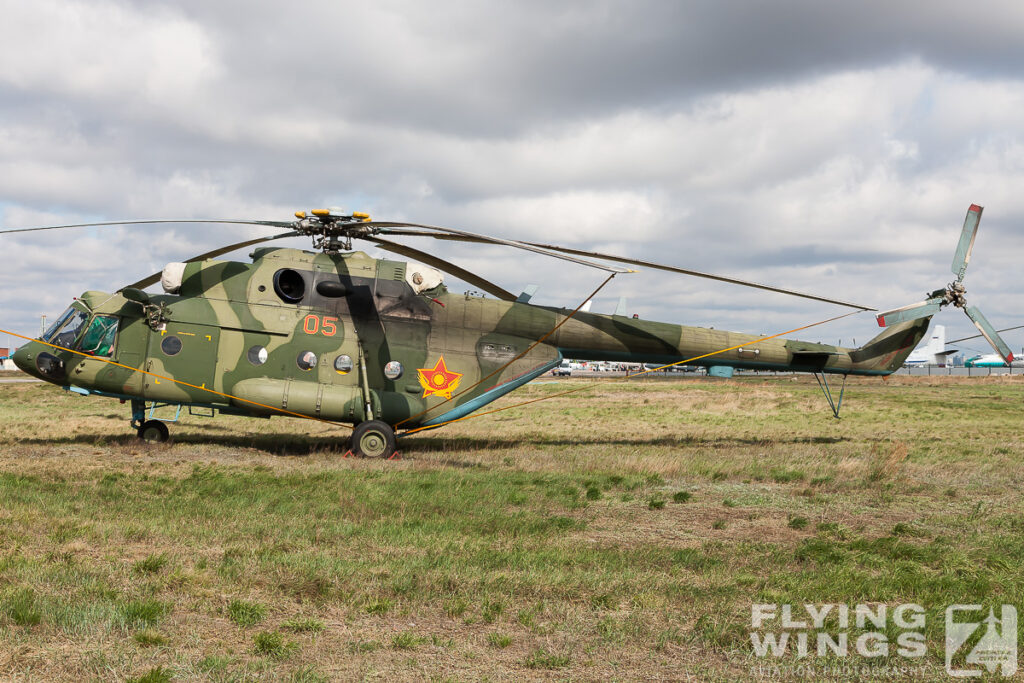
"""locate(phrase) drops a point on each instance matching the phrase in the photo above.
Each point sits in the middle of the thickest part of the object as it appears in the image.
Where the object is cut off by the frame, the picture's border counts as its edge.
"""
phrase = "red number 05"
(313, 324)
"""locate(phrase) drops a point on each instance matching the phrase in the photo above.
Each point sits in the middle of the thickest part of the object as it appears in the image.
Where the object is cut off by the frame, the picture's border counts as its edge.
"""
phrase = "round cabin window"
(257, 355)
(171, 345)
(306, 360)
(393, 370)
(343, 364)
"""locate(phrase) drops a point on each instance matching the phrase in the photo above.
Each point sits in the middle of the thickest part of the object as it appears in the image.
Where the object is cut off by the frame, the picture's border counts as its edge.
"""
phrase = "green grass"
(156, 675)
(499, 640)
(151, 564)
(542, 659)
(540, 542)
(272, 644)
(21, 608)
(246, 613)
(406, 640)
(303, 625)
(149, 638)
(142, 613)
(798, 522)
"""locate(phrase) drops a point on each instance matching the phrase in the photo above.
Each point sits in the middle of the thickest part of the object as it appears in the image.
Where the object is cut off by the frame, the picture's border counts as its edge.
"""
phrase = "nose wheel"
(373, 439)
(154, 431)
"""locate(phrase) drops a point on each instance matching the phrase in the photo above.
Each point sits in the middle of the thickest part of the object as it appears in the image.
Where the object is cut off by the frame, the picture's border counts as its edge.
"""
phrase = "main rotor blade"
(966, 244)
(911, 312)
(272, 224)
(147, 281)
(975, 336)
(474, 237)
(447, 267)
(989, 332)
(657, 266)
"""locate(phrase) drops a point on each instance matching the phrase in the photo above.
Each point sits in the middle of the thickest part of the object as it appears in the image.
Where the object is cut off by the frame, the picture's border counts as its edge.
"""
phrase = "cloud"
(823, 148)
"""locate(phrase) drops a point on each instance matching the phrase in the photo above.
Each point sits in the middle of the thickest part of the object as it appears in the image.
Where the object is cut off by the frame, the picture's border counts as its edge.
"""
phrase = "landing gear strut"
(153, 431)
(373, 439)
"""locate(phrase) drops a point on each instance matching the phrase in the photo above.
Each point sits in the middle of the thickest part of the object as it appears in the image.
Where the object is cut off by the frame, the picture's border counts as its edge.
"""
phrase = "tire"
(154, 431)
(373, 439)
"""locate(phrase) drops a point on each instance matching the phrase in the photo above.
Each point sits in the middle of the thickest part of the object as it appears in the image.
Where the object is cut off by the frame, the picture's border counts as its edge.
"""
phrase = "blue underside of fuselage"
(664, 359)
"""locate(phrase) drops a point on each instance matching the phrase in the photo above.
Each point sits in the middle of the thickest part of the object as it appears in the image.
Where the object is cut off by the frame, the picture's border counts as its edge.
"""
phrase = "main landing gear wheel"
(154, 431)
(373, 439)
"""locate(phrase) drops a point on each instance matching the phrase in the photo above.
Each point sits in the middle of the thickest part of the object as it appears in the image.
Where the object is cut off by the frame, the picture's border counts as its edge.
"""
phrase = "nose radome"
(23, 358)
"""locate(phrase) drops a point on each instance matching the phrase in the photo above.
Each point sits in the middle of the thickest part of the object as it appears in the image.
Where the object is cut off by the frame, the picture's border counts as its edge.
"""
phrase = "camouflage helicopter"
(338, 336)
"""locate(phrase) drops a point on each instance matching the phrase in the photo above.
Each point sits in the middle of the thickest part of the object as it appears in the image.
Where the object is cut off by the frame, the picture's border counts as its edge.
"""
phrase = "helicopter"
(382, 345)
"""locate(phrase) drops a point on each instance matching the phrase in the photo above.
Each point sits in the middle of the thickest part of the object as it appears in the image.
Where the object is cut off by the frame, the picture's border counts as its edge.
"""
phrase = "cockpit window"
(68, 332)
(59, 323)
(98, 339)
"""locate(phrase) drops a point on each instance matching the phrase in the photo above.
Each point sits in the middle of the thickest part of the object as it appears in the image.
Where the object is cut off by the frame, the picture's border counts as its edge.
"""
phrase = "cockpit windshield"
(70, 326)
(98, 339)
(59, 323)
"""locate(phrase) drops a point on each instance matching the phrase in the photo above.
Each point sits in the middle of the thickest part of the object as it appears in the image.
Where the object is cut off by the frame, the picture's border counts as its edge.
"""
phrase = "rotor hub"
(955, 294)
(333, 229)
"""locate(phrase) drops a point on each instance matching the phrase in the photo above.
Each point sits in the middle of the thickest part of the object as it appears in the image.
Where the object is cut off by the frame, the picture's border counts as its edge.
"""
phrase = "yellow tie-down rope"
(177, 381)
(442, 424)
(615, 379)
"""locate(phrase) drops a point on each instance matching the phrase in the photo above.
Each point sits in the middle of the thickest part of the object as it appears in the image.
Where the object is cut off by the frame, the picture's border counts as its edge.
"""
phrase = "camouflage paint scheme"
(225, 309)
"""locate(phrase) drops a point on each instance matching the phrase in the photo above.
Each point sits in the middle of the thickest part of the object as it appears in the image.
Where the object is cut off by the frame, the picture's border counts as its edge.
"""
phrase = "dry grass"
(520, 545)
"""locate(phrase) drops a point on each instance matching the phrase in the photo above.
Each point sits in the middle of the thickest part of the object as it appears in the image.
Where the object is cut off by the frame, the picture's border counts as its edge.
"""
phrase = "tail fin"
(937, 344)
(886, 352)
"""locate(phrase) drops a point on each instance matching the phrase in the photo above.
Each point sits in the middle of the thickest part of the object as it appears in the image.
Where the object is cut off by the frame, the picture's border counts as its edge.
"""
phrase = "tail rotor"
(954, 293)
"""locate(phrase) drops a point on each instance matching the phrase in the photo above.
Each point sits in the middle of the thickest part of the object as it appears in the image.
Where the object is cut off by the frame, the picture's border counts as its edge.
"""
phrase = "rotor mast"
(332, 229)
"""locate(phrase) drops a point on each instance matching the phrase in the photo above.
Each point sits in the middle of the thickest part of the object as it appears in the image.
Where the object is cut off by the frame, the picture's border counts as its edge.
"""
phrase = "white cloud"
(105, 52)
(842, 165)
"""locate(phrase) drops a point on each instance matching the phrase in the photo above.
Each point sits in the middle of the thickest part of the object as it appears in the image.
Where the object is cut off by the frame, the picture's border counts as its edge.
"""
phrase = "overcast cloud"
(823, 147)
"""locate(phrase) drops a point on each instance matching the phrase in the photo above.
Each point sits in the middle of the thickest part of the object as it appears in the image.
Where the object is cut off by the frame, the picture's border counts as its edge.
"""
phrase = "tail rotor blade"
(989, 332)
(911, 312)
(967, 235)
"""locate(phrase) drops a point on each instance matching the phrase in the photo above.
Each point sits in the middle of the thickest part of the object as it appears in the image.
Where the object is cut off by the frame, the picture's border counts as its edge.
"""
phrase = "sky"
(822, 147)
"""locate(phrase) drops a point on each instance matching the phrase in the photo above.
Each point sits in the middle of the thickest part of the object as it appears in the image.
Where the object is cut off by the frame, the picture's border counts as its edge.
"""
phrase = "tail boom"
(621, 339)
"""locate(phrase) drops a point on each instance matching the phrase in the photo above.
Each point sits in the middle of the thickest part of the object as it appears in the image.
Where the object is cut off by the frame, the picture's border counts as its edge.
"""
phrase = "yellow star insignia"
(438, 380)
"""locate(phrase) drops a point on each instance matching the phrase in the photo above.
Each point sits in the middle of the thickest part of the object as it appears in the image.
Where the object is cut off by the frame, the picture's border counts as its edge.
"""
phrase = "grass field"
(620, 533)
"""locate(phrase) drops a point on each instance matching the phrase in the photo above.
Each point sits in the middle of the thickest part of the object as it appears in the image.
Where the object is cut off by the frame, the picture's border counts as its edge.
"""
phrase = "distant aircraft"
(987, 360)
(932, 353)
